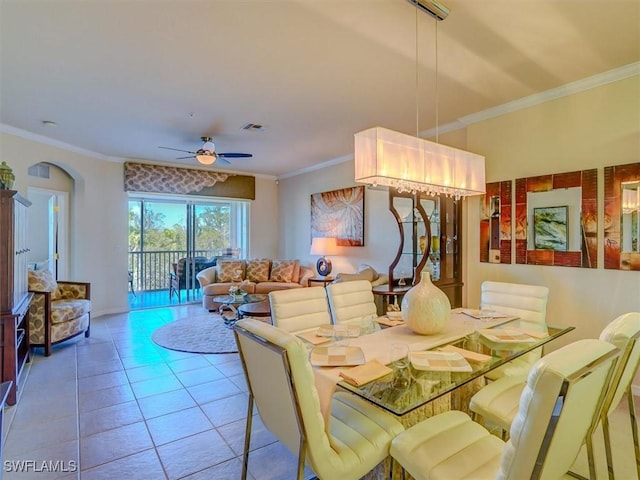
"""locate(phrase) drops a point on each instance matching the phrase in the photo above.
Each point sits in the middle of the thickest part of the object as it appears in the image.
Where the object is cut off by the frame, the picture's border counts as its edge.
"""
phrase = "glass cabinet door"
(439, 235)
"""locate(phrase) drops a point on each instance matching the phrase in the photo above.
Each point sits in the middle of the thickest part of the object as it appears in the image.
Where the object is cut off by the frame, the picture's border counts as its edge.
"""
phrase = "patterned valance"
(143, 177)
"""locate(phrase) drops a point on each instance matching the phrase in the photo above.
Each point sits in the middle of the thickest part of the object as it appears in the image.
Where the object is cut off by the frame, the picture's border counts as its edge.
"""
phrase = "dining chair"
(497, 403)
(299, 310)
(529, 304)
(561, 402)
(281, 383)
(352, 301)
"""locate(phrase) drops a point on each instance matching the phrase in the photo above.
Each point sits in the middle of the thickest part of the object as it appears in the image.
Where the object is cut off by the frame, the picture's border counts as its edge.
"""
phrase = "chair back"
(281, 382)
(528, 302)
(297, 310)
(560, 403)
(623, 332)
(351, 301)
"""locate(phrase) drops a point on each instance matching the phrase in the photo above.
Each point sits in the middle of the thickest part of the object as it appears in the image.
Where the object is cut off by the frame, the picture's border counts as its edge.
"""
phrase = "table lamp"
(323, 246)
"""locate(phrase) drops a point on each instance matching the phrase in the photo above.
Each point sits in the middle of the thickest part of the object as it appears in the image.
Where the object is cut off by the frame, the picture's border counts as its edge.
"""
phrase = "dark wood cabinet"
(14, 293)
(429, 229)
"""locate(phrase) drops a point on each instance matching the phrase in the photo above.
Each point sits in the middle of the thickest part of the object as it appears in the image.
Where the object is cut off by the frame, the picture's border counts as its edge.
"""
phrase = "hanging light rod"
(437, 10)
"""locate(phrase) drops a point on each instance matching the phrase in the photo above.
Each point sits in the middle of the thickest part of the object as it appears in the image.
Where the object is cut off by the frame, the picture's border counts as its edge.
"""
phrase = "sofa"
(60, 310)
(260, 275)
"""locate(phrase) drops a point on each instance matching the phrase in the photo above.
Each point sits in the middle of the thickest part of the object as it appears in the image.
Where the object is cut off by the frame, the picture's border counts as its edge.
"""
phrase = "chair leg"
(634, 428)
(87, 332)
(590, 457)
(607, 446)
(247, 437)
(302, 455)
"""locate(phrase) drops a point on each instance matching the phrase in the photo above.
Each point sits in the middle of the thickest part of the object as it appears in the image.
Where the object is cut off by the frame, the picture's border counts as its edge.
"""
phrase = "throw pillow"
(296, 271)
(366, 268)
(230, 271)
(43, 281)
(350, 277)
(258, 270)
(282, 271)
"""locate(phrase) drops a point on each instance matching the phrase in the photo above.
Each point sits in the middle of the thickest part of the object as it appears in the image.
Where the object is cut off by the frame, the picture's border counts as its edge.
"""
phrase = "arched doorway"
(49, 192)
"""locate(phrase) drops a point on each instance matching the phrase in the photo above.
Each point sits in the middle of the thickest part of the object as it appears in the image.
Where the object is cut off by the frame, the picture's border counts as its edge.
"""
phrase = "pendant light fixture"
(413, 164)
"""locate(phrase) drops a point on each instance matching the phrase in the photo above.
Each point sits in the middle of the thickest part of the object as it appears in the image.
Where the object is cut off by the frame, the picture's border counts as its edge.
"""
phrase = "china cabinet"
(429, 228)
(14, 294)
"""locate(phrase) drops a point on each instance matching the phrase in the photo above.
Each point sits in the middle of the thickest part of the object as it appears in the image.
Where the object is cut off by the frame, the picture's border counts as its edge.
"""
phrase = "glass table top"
(239, 299)
(401, 393)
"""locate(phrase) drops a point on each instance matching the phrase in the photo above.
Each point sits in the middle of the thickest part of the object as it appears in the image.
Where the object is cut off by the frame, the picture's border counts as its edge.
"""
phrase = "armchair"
(60, 310)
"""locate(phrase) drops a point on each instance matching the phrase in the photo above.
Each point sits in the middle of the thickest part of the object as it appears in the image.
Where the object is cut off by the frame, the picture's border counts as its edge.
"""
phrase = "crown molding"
(18, 132)
(318, 166)
(588, 83)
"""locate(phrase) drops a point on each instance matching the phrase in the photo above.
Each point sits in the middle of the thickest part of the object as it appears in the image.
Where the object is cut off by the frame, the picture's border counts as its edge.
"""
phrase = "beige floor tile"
(105, 398)
(193, 454)
(164, 403)
(140, 466)
(108, 418)
(113, 444)
(174, 426)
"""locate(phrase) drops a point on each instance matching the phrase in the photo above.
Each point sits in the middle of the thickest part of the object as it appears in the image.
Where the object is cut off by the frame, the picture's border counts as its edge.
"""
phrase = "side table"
(389, 296)
(256, 309)
(323, 280)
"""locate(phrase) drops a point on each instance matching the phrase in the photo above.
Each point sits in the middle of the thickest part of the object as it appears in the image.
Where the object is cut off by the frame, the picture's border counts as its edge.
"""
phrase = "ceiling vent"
(40, 170)
(255, 127)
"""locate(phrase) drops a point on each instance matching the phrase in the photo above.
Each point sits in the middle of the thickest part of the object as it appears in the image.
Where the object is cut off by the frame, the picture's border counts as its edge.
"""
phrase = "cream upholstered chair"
(497, 403)
(624, 333)
(529, 304)
(299, 310)
(281, 383)
(60, 310)
(350, 302)
(562, 399)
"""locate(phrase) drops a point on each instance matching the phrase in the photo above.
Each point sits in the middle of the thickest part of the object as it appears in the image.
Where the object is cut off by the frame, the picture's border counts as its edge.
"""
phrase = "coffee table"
(230, 303)
(255, 309)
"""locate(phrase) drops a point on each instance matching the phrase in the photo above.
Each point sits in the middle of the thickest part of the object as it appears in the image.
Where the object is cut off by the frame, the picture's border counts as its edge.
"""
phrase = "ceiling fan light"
(206, 158)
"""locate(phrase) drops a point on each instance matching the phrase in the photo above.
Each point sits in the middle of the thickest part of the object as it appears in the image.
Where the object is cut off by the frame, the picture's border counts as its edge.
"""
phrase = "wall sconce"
(324, 246)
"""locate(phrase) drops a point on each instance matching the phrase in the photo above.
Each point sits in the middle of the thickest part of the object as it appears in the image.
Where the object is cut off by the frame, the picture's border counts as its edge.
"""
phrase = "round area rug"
(201, 334)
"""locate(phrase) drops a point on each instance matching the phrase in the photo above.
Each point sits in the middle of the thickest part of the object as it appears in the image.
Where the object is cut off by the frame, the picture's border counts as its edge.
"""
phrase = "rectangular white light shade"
(394, 159)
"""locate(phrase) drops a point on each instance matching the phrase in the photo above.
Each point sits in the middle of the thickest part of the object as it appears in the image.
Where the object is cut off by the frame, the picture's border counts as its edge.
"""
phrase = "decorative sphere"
(425, 308)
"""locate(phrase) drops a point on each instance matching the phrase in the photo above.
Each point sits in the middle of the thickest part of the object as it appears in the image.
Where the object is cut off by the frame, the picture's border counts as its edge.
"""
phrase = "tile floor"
(118, 406)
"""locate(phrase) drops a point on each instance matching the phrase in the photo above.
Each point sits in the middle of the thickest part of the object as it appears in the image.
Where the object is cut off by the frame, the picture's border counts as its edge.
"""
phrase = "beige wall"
(591, 129)
(99, 216)
(381, 234)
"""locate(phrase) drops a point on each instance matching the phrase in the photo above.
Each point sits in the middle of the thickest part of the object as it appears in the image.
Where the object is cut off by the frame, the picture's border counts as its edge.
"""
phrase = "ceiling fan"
(207, 154)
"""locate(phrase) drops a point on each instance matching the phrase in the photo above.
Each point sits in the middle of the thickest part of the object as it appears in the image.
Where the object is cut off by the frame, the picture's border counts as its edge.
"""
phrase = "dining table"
(442, 371)
(423, 388)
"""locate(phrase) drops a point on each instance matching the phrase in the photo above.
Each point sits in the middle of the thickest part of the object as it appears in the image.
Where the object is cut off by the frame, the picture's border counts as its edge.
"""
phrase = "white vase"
(425, 308)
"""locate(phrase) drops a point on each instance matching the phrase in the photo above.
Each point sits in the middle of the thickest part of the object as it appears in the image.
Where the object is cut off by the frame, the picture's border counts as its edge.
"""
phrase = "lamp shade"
(324, 246)
(394, 159)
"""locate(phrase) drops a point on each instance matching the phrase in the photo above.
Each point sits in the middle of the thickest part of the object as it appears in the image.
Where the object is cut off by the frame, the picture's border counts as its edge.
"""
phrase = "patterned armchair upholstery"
(59, 310)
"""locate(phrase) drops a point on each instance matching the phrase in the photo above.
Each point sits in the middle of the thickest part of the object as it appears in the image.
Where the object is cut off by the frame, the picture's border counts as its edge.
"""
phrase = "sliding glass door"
(172, 238)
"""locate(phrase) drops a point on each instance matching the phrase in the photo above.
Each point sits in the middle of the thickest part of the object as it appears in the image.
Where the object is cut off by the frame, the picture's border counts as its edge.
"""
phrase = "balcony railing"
(150, 269)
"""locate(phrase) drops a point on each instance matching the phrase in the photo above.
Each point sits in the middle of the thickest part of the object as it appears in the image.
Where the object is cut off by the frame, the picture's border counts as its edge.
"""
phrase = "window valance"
(145, 177)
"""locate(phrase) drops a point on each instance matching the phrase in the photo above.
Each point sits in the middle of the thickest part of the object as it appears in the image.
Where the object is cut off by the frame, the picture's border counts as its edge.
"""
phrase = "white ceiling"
(122, 77)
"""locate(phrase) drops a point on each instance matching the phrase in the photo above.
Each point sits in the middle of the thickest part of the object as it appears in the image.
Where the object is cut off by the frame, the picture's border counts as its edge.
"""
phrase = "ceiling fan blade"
(182, 158)
(177, 150)
(234, 155)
